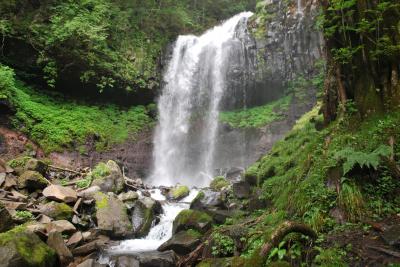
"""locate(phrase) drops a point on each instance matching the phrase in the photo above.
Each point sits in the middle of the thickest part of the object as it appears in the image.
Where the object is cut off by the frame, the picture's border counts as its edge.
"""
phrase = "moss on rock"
(192, 219)
(57, 211)
(20, 247)
(218, 183)
(32, 180)
(179, 192)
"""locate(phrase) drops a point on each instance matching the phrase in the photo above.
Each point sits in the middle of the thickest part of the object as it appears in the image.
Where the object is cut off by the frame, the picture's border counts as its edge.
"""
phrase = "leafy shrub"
(369, 160)
(223, 245)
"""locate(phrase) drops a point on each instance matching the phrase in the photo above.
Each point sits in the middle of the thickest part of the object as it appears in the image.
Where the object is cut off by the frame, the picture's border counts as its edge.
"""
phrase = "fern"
(369, 160)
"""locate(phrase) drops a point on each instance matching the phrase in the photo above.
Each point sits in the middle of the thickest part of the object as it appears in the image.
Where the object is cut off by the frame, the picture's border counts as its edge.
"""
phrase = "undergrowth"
(257, 116)
(57, 123)
(312, 172)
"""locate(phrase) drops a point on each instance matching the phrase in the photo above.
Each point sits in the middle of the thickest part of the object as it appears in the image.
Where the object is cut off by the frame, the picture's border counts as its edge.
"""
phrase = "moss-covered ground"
(311, 173)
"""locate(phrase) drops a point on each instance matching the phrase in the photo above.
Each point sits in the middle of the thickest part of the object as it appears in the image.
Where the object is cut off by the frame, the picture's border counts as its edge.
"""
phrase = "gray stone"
(143, 215)
(113, 181)
(392, 235)
(60, 193)
(31, 180)
(6, 221)
(36, 165)
(112, 217)
(182, 243)
(56, 242)
(241, 189)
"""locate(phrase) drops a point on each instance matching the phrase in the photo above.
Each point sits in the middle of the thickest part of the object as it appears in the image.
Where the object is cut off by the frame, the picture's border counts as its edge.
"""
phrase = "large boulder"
(144, 213)
(129, 198)
(60, 193)
(57, 211)
(32, 180)
(108, 177)
(183, 242)
(207, 199)
(6, 221)
(147, 259)
(19, 247)
(112, 217)
(192, 219)
(61, 226)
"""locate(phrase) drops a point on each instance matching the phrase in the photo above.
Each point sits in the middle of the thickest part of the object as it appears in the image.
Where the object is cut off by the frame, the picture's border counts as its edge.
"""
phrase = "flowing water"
(189, 106)
(159, 233)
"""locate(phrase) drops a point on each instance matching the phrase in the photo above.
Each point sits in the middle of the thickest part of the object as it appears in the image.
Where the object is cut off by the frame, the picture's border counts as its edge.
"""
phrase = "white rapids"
(159, 233)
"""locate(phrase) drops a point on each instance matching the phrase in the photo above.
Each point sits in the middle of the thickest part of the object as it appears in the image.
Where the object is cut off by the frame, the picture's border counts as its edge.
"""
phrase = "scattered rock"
(2, 178)
(36, 165)
(6, 221)
(90, 247)
(338, 214)
(148, 259)
(207, 199)
(19, 247)
(143, 215)
(89, 193)
(91, 263)
(56, 242)
(44, 219)
(179, 192)
(75, 239)
(10, 182)
(32, 180)
(183, 242)
(192, 219)
(112, 217)
(392, 235)
(61, 226)
(126, 261)
(11, 205)
(241, 189)
(108, 177)
(128, 196)
(60, 193)
(57, 211)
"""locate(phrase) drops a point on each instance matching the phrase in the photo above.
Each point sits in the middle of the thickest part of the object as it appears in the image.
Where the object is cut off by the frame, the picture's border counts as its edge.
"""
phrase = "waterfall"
(189, 105)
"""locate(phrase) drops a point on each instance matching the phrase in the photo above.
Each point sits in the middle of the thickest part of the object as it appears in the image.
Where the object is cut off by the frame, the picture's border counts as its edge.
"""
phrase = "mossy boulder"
(192, 219)
(251, 175)
(112, 216)
(18, 164)
(218, 183)
(19, 247)
(183, 242)
(207, 199)
(215, 262)
(31, 180)
(36, 165)
(6, 220)
(57, 211)
(179, 192)
(108, 176)
(143, 215)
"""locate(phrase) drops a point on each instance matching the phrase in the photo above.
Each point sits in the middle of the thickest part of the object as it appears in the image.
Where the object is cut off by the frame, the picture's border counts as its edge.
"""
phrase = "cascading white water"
(161, 232)
(189, 105)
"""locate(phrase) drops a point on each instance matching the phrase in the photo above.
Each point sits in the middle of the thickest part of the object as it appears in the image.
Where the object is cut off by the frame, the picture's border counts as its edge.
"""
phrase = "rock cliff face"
(287, 44)
(284, 45)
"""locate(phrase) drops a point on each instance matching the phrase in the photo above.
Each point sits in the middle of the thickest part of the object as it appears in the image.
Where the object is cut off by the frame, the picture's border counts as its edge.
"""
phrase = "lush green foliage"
(106, 43)
(257, 117)
(56, 123)
(223, 245)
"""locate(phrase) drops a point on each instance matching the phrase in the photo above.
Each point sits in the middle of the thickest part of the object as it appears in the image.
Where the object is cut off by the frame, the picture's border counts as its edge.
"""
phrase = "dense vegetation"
(56, 122)
(107, 46)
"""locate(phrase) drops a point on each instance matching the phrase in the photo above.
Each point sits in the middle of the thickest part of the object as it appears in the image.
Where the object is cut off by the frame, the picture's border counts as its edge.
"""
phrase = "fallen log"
(63, 169)
(283, 230)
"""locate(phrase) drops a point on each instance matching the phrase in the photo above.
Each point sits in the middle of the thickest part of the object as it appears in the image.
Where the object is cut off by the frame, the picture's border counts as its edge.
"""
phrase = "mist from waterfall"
(189, 105)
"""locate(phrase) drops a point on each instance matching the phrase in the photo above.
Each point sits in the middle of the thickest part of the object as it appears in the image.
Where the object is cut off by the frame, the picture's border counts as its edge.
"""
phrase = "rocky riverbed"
(52, 216)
